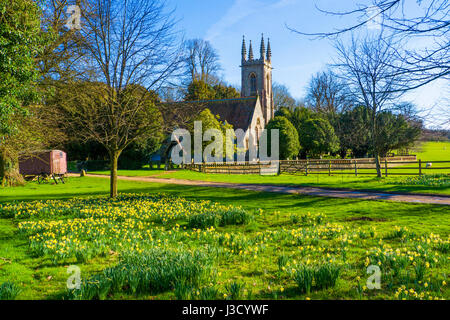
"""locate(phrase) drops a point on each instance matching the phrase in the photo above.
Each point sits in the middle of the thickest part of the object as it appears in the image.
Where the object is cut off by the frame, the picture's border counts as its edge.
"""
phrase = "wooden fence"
(230, 168)
(389, 166)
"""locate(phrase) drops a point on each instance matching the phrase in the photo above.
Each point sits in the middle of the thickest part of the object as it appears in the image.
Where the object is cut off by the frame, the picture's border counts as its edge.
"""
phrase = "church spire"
(244, 49)
(250, 53)
(269, 51)
(262, 48)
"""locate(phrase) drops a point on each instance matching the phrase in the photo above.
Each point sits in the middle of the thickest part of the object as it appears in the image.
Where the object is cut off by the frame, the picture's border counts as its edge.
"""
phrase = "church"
(255, 107)
(251, 112)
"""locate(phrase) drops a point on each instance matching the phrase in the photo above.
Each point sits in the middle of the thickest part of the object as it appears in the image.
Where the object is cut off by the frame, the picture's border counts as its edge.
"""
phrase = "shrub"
(317, 137)
(289, 142)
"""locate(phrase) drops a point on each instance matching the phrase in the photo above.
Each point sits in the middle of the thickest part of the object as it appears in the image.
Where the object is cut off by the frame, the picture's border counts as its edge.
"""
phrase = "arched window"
(253, 84)
(268, 84)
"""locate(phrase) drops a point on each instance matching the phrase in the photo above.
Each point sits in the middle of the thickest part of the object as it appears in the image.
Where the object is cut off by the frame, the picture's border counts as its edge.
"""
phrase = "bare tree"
(365, 65)
(134, 49)
(327, 93)
(201, 61)
(63, 59)
(282, 98)
(429, 19)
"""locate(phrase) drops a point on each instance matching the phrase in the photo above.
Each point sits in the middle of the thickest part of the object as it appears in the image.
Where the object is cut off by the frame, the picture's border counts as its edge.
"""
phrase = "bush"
(317, 137)
(9, 291)
(289, 142)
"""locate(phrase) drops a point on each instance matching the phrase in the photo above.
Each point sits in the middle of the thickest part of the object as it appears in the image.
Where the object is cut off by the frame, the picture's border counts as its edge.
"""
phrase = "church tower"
(257, 76)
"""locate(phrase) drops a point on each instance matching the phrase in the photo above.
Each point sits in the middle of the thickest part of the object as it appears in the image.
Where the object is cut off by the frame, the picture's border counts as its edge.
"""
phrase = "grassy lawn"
(429, 151)
(261, 246)
(388, 184)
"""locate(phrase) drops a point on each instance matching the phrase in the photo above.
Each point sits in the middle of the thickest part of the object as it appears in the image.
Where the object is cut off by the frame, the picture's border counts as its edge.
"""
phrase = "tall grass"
(322, 277)
(9, 291)
(224, 217)
(153, 271)
(304, 277)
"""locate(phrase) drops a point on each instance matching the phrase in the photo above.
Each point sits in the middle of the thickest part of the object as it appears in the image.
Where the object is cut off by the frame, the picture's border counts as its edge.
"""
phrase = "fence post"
(306, 168)
(420, 167)
(329, 167)
(385, 168)
(356, 168)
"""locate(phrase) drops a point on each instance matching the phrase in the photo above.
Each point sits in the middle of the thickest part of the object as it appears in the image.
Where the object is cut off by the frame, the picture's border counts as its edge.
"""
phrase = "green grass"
(428, 151)
(432, 150)
(40, 278)
(388, 184)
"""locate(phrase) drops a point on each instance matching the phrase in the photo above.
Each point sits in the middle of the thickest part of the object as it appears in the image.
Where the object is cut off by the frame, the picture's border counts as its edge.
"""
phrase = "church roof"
(237, 112)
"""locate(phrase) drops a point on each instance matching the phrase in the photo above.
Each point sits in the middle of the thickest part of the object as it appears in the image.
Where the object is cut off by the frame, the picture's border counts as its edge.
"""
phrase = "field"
(160, 241)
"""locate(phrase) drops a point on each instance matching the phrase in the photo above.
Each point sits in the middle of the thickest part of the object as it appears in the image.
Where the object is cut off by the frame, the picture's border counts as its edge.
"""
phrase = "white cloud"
(240, 10)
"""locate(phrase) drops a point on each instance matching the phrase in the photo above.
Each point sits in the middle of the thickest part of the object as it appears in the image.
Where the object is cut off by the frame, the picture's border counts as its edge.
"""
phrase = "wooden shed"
(44, 162)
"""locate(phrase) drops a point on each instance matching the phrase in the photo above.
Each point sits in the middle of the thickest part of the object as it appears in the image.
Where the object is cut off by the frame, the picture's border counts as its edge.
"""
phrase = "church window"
(253, 84)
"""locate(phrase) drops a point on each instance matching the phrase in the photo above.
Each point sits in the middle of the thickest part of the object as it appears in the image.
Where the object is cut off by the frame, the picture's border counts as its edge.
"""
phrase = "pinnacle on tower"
(262, 48)
(250, 53)
(269, 51)
(244, 49)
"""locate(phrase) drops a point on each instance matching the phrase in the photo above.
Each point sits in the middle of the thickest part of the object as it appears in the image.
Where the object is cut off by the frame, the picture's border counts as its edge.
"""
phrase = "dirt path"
(311, 191)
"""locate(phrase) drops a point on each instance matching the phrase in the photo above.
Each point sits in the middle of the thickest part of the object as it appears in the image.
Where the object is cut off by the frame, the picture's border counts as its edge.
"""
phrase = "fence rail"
(388, 166)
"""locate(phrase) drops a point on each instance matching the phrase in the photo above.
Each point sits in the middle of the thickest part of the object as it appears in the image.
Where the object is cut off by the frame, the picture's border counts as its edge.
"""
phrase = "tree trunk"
(375, 149)
(377, 164)
(9, 169)
(114, 157)
(374, 143)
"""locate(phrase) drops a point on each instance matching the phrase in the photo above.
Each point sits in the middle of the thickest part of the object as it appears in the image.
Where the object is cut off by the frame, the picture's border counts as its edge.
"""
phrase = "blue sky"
(295, 58)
